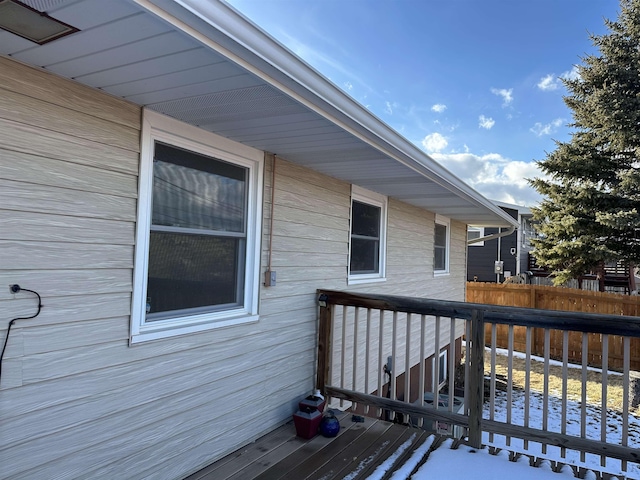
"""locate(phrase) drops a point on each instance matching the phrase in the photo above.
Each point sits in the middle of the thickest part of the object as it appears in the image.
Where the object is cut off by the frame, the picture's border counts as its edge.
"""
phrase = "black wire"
(6, 339)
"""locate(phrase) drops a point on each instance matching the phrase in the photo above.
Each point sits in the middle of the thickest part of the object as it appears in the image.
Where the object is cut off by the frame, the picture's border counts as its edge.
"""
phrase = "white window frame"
(159, 128)
(440, 220)
(480, 231)
(363, 195)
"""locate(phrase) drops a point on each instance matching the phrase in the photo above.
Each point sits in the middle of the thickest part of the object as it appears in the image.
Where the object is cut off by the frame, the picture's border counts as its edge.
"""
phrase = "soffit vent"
(27, 21)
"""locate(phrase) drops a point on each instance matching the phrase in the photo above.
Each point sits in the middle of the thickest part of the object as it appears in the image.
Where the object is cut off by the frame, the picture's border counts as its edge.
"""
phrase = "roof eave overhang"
(222, 28)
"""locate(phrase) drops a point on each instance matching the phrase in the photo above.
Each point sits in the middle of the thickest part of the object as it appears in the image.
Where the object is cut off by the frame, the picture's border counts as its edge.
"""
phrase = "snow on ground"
(466, 462)
(470, 463)
(613, 429)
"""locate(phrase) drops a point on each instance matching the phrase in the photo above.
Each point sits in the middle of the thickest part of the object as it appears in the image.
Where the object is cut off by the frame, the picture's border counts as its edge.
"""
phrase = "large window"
(196, 256)
(441, 246)
(368, 234)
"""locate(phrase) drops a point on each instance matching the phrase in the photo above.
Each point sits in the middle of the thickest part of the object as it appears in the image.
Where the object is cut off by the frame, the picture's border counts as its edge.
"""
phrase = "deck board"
(342, 451)
(354, 456)
(231, 464)
(281, 454)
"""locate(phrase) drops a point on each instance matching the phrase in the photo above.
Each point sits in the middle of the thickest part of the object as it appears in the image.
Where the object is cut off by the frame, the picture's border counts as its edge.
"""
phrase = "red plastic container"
(307, 422)
(312, 402)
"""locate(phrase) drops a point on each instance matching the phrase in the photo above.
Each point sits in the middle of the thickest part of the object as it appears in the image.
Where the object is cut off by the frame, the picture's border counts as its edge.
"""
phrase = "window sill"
(441, 273)
(361, 280)
(156, 332)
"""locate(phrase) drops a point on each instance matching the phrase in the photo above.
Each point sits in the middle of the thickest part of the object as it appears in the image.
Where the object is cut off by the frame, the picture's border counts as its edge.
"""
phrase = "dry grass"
(574, 381)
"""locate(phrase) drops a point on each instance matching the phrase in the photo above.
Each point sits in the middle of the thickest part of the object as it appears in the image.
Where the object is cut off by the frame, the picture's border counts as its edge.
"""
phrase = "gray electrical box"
(270, 278)
(499, 267)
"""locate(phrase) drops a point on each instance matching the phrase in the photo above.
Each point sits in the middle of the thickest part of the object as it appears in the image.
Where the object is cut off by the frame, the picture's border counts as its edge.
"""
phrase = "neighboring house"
(512, 249)
(176, 185)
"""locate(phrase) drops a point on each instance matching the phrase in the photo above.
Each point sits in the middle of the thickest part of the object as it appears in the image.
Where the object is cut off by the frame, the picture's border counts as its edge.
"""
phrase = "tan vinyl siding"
(77, 400)
(68, 194)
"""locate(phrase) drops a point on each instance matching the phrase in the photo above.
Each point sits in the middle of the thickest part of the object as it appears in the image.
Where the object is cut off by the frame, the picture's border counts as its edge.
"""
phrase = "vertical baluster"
(492, 377)
(367, 357)
(343, 350)
(354, 364)
(509, 379)
(565, 387)
(435, 373)
(407, 361)
(527, 381)
(380, 358)
(435, 368)
(394, 343)
(545, 388)
(583, 406)
(467, 367)
(423, 330)
(626, 362)
(605, 380)
(451, 360)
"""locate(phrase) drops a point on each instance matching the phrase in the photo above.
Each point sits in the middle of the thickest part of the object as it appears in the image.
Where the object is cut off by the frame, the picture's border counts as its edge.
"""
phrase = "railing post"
(324, 343)
(476, 378)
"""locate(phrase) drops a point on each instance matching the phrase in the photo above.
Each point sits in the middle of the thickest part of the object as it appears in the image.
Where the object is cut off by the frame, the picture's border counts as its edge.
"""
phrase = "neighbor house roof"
(207, 65)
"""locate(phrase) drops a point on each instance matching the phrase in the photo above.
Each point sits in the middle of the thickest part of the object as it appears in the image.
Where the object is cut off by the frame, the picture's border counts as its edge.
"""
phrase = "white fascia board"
(521, 209)
(256, 51)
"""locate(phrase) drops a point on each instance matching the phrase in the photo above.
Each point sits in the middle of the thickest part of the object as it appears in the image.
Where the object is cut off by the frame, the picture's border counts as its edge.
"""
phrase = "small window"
(442, 368)
(473, 233)
(197, 248)
(441, 246)
(368, 234)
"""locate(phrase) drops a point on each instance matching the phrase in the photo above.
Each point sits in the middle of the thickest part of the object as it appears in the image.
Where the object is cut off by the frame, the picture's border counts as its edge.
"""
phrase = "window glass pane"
(364, 255)
(188, 271)
(439, 262)
(440, 248)
(365, 219)
(472, 234)
(441, 235)
(195, 191)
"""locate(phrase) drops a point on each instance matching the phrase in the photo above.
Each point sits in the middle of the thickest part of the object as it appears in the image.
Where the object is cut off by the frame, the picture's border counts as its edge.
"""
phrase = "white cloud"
(486, 122)
(572, 74)
(389, 106)
(547, 129)
(549, 82)
(507, 95)
(348, 86)
(494, 176)
(434, 142)
(439, 108)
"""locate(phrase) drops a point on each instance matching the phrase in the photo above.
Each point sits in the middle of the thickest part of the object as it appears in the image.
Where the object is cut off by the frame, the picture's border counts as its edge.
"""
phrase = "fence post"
(324, 343)
(476, 378)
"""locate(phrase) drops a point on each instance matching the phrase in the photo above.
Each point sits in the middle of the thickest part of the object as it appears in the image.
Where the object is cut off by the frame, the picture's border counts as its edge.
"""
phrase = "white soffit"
(205, 64)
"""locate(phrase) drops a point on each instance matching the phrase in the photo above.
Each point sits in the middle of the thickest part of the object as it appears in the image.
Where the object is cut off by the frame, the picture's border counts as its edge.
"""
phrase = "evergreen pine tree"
(591, 207)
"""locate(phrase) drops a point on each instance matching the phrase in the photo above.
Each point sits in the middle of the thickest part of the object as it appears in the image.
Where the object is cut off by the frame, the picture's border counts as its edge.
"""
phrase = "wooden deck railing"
(379, 353)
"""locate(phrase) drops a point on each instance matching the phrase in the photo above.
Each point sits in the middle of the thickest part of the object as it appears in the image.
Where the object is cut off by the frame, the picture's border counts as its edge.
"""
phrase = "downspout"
(508, 231)
(499, 253)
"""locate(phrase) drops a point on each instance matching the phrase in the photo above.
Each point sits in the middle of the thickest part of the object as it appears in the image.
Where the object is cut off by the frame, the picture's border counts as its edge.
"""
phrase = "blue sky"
(474, 83)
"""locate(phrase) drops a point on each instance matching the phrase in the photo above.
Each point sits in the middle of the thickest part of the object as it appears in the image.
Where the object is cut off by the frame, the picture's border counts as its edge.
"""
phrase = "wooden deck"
(356, 452)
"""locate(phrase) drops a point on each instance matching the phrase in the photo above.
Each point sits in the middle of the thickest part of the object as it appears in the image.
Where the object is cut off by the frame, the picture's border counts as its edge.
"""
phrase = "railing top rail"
(528, 317)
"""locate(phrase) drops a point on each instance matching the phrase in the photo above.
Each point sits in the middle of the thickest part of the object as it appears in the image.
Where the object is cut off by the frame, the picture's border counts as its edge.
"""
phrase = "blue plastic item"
(329, 426)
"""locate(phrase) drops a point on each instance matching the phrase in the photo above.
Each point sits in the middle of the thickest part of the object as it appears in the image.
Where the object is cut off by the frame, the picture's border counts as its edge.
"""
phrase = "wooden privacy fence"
(563, 299)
